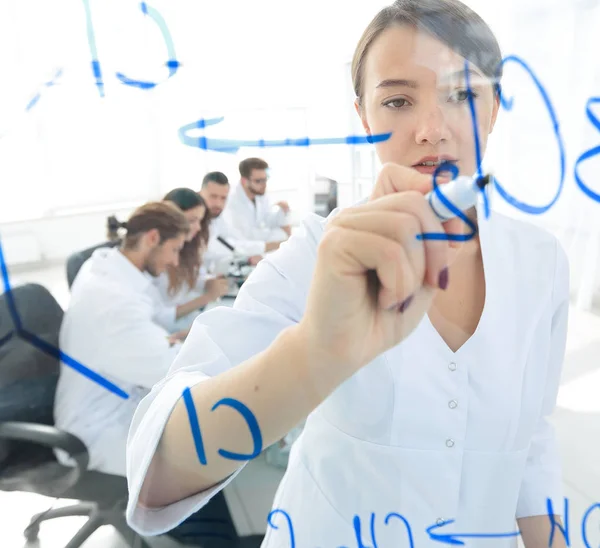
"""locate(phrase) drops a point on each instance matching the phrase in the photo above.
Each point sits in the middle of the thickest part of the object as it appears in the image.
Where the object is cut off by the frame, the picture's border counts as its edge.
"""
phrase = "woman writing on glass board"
(429, 398)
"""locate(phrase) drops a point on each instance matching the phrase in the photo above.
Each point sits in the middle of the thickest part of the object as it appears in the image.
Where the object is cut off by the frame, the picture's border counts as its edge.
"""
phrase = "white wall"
(55, 238)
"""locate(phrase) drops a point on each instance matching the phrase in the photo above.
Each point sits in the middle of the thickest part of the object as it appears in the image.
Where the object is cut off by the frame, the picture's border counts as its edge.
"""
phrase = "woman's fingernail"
(405, 304)
(443, 279)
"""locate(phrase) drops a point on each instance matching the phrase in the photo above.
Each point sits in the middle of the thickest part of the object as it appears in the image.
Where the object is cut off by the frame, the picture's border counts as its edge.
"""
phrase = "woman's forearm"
(280, 386)
(191, 306)
(536, 532)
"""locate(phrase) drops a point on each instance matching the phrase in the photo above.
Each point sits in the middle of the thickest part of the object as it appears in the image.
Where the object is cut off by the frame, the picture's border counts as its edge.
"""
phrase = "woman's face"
(194, 217)
(414, 87)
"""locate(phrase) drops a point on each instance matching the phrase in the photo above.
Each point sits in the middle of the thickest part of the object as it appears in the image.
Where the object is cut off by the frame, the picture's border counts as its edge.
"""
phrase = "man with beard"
(108, 328)
(215, 191)
(249, 209)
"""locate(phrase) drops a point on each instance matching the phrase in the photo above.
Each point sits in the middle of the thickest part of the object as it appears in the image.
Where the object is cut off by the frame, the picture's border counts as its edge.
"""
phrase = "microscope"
(236, 268)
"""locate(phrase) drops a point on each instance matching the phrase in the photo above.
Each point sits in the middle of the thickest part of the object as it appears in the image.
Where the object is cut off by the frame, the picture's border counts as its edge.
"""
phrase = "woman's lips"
(430, 170)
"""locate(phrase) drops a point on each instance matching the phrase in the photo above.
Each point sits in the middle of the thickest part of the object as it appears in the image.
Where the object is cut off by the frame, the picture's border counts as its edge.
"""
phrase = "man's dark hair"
(166, 217)
(215, 177)
(246, 166)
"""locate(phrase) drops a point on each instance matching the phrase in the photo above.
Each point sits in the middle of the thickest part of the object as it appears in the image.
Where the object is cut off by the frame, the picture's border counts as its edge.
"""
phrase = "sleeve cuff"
(538, 505)
(146, 431)
(535, 492)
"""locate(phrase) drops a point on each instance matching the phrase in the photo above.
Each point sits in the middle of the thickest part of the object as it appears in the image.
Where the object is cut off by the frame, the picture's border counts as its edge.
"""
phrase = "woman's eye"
(462, 95)
(396, 103)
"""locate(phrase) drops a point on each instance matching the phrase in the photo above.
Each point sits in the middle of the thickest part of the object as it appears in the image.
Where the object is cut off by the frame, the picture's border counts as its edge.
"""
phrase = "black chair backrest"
(40, 315)
(76, 260)
(29, 370)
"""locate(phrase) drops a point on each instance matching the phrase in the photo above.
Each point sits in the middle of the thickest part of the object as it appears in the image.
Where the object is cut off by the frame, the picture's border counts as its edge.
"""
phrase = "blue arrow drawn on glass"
(231, 146)
(455, 538)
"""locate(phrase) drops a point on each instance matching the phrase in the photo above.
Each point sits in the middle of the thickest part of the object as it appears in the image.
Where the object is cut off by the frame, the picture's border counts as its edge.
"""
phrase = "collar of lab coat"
(111, 263)
(240, 195)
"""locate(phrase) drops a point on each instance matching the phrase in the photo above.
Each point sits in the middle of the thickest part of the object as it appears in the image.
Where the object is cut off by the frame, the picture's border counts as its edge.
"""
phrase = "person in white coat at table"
(249, 209)
(109, 328)
(185, 289)
(427, 370)
(215, 192)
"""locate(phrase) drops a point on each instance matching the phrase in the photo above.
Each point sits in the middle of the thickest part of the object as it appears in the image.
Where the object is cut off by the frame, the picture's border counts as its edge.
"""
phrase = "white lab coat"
(166, 303)
(108, 328)
(421, 431)
(257, 220)
(216, 251)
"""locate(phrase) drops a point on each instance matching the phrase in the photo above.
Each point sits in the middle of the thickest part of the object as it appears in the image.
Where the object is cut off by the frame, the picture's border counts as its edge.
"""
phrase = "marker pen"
(461, 192)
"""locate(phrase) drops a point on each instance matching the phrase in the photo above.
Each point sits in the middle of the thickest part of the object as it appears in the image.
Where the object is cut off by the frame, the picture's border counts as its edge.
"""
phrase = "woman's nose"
(432, 126)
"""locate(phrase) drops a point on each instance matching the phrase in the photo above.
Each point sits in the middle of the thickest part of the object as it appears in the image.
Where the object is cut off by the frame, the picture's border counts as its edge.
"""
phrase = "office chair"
(76, 260)
(26, 424)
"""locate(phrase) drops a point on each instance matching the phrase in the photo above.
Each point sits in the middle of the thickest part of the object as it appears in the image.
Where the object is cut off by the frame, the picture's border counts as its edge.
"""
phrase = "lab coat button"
(452, 366)
(449, 442)
(452, 404)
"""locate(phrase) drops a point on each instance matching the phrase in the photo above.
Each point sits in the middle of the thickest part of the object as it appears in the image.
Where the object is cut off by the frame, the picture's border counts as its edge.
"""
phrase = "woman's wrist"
(204, 299)
(318, 372)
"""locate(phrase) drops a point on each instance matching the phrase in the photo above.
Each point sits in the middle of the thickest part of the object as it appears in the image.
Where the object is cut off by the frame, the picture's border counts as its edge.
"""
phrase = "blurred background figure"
(249, 209)
(185, 289)
(223, 236)
(109, 326)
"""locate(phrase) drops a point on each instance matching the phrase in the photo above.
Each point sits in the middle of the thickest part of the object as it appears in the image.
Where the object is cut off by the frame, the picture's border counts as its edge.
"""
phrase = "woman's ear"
(363, 118)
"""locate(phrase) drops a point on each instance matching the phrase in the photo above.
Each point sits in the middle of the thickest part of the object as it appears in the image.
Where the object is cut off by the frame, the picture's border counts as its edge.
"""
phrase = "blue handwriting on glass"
(202, 142)
(434, 531)
(590, 153)
(507, 104)
(42, 345)
(172, 64)
(34, 100)
(238, 406)
(231, 145)
(445, 538)
(20, 330)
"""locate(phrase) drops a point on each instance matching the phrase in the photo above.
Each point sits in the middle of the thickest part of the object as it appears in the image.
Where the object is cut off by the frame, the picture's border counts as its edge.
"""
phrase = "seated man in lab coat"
(249, 210)
(215, 191)
(108, 328)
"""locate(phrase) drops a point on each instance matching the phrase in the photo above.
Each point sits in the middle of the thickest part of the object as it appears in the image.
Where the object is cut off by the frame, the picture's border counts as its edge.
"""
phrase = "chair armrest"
(50, 437)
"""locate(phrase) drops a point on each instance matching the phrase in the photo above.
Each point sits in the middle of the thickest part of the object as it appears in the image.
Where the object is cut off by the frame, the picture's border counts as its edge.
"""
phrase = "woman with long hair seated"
(184, 290)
